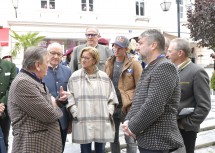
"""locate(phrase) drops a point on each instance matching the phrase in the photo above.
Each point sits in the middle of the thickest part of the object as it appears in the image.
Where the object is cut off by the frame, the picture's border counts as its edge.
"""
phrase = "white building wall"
(67, 21)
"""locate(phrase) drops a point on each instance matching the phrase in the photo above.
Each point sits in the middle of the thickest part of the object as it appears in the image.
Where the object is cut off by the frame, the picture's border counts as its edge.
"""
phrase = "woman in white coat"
(91, 103)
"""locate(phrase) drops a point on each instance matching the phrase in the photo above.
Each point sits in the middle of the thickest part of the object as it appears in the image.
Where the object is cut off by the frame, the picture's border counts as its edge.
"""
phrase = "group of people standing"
(159, 106)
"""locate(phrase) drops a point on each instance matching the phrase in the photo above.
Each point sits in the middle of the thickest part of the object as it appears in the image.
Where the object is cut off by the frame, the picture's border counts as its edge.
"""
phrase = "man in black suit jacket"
(195, 102)
(152, 117)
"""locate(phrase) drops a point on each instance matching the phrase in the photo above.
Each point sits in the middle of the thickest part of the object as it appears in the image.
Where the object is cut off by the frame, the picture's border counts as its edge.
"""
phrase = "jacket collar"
(110, 63)
(51, 68)
(153, 63)
(126, 62)
(183, 65)
(95, 70)
(32, 75)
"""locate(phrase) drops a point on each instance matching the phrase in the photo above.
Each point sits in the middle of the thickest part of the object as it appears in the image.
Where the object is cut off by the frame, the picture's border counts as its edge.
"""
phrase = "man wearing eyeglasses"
(56, 78)
(92, 36)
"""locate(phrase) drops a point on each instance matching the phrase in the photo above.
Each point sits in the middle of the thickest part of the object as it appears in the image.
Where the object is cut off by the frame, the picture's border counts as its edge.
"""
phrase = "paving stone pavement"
(204, 143)
(205, 140)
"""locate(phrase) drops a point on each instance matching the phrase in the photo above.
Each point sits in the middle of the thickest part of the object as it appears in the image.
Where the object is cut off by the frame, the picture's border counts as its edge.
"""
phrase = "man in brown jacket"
(125, 71)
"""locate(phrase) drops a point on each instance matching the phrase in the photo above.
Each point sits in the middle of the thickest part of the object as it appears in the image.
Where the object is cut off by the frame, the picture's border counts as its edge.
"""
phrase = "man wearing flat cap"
(125, 71)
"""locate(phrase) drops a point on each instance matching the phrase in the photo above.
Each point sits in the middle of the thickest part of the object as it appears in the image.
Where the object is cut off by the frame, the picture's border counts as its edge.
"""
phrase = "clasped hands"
(127, 131)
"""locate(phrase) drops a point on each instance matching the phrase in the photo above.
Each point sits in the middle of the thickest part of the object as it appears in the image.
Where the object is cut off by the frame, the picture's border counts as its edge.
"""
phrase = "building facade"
(65, 21)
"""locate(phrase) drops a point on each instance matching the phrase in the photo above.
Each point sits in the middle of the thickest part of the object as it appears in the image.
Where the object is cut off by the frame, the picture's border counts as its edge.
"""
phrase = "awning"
(4, 36)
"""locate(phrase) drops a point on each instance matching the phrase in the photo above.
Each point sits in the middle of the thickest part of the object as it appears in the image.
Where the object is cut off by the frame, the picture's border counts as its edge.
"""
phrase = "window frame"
(48, 4)
(140, 13)
(87, 5)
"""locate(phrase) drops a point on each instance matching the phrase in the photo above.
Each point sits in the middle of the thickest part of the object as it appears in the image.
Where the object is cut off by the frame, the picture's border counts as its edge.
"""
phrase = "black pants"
(64, 121)
(63, 137)
(5, 126)
(131, 145)
(142, 150)
(189, 138)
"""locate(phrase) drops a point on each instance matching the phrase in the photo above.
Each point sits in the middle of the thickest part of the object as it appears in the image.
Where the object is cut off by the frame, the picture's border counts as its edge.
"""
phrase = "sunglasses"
(91, 35)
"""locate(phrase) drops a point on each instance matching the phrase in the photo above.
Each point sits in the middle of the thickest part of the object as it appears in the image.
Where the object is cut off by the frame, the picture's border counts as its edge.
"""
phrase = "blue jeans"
(2, 145)
(99, 148)
(5, 127)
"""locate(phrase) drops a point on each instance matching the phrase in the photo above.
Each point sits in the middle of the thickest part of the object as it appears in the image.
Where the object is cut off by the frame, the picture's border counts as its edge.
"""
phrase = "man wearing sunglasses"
(92, 36)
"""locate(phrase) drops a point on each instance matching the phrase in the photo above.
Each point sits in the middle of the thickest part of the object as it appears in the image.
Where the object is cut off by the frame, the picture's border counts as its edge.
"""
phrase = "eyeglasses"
(86, 58)
(55, 53)
(91, 35)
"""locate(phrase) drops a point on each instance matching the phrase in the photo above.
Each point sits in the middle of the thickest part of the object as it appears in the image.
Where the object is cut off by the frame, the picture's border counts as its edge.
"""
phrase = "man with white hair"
(57, 76)
(195, 102)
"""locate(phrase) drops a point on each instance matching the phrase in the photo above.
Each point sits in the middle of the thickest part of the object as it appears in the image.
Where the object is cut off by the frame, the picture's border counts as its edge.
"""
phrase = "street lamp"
(165, 6)
(15, 5)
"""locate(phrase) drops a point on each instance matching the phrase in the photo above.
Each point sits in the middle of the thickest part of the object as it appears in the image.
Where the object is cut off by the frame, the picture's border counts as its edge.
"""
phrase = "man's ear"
(180, 53)
(37, 66)
(154, 45)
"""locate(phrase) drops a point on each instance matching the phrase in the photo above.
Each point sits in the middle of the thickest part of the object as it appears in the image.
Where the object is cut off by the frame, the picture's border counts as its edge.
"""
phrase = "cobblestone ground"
(75, 148)
(210, 149)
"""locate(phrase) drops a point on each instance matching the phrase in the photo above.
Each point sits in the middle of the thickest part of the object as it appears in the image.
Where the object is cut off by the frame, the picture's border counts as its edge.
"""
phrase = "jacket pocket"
(38, 131)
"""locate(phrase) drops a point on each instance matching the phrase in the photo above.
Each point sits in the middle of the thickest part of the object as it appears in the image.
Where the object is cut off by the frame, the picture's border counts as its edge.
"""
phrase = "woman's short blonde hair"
(93, 52)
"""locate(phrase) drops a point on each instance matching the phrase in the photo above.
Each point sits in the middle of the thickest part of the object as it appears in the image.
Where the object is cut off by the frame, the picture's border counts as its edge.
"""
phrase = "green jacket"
(7, 74)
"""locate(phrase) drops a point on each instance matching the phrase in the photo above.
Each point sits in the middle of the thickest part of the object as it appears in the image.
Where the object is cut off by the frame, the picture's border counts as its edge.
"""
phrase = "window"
(140, 8)
(48, 4)
(87, 5)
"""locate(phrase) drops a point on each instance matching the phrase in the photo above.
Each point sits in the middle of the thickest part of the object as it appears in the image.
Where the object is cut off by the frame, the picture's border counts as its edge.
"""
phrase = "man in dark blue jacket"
(57, 76)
